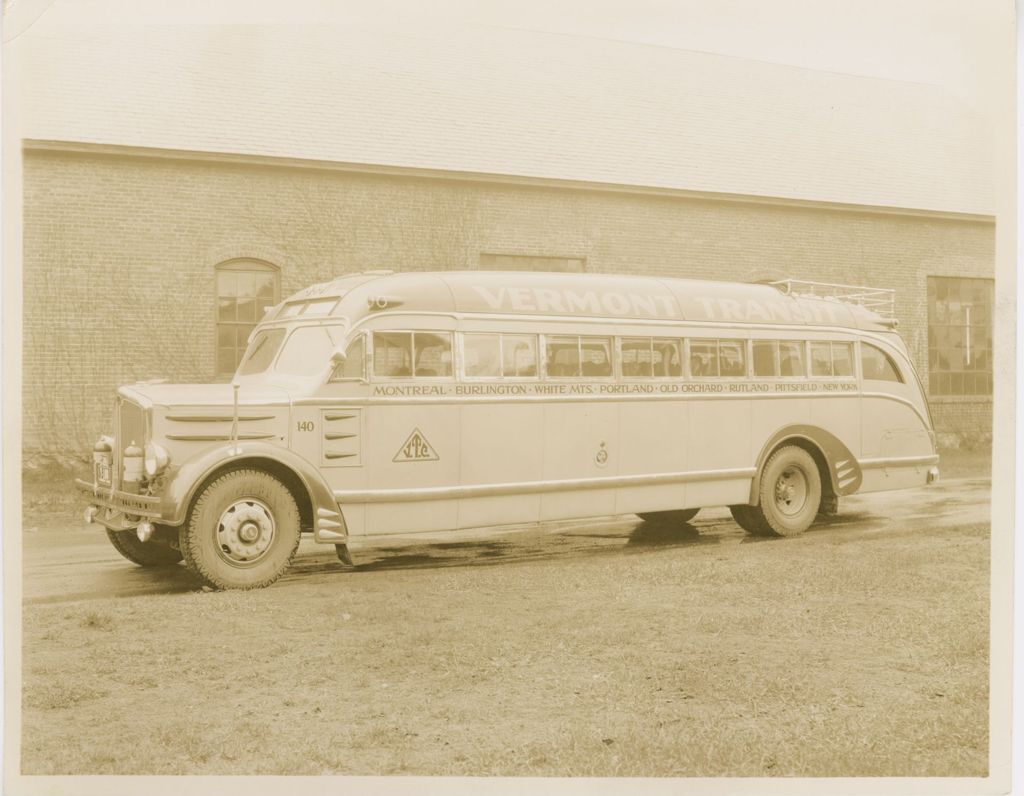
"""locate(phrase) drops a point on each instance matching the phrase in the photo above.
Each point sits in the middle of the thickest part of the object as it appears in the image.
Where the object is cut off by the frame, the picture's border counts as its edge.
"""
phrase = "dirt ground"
(608, 648)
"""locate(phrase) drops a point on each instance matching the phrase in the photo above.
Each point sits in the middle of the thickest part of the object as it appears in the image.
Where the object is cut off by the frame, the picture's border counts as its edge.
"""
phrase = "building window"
(959, 336)
(519, 262)
(245, 290)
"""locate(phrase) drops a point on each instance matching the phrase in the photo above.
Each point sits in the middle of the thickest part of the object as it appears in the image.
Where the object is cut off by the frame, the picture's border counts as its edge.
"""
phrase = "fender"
(843, 468)
(328, 522)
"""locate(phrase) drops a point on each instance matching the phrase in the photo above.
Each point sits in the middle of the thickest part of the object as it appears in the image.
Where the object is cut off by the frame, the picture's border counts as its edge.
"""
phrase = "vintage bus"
(382, 403)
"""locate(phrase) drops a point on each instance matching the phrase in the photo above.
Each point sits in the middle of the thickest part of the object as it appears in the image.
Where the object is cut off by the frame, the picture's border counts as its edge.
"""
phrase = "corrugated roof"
(511, 102)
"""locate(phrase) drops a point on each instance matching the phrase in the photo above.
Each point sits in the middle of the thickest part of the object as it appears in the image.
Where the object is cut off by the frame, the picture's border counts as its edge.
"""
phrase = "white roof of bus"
(581, 295)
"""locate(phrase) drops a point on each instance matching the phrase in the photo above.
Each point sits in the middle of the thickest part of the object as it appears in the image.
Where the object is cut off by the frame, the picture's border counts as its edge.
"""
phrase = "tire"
(679, 515)
(790, 492)
(749, 519)
(242, 531)
(153, 553)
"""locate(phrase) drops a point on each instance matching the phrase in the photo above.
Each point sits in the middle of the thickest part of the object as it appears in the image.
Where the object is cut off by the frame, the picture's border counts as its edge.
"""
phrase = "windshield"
(261, 352)
(308, 350)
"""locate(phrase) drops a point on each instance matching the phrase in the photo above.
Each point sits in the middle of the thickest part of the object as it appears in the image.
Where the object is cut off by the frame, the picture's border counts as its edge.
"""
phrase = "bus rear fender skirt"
(843, 469)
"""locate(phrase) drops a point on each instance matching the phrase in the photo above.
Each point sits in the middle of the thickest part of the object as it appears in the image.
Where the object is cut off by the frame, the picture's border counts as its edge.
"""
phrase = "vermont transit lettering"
(754, 311)
(638, 388)
(631, 304)
(579, 302)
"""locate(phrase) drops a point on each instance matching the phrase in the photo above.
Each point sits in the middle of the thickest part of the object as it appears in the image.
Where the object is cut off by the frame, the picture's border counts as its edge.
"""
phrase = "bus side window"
(392, 354)
(433, 354)
(636, 357)
(876, 365)
(732, 361)
(821, 359)
(667, 359)
(831, 359)
(399, 355)
(703, 358)
(791, 359)
(596, 356)
(483, 354)
(519, 354)
(842, 359)
(766, 358)
(563, 356)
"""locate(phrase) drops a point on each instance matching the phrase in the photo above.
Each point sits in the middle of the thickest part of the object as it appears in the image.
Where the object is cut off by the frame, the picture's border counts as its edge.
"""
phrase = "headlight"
(156, 459)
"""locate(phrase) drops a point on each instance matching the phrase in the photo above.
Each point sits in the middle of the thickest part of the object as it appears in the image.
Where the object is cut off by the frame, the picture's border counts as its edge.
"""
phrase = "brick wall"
(120, 254)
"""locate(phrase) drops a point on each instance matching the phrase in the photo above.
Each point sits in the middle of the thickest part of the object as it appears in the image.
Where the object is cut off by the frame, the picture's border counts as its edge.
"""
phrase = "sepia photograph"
(583, 396)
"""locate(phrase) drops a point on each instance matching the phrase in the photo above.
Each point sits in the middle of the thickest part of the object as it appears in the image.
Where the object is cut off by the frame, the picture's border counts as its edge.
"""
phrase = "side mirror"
(339, 357)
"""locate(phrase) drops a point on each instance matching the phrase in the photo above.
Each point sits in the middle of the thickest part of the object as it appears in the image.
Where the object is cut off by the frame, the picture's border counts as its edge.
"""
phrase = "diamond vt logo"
(416, 449)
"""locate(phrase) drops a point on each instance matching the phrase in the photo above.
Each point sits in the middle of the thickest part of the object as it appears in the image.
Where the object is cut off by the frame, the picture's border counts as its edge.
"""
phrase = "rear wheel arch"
(837, 466)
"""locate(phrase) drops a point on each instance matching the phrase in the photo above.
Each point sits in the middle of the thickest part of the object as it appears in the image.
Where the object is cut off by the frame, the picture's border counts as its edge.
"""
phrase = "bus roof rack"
(881, 300)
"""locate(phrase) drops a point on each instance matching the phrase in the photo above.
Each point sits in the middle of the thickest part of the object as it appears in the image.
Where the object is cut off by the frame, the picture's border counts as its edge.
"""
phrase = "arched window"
(245, 289)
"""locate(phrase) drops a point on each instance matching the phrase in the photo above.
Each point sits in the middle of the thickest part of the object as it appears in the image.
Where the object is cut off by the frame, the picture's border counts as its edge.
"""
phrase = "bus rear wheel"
(242, 532)
(677, 516)
(790, 493)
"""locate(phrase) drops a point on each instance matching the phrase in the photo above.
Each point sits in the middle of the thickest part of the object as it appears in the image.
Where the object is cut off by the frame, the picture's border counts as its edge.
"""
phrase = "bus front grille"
(131, 428)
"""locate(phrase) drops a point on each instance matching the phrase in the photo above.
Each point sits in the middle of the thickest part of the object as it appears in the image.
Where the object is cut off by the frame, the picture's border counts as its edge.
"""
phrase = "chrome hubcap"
(791, 491)
(245, 531)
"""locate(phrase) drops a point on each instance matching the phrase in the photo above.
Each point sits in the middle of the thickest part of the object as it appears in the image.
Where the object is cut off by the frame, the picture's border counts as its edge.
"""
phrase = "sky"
(945, 42)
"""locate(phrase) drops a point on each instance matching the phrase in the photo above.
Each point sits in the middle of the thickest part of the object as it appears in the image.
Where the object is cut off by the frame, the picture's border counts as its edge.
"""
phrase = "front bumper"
(117, 510)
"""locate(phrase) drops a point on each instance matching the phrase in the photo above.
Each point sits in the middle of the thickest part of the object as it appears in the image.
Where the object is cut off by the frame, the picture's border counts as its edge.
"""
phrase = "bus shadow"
(475, 553)
(845, 521)
(452, 554)
(651, 533)
(844, 518)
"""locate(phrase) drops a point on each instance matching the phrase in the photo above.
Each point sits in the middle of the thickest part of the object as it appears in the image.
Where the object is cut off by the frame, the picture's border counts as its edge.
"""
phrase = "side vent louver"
(342, 437)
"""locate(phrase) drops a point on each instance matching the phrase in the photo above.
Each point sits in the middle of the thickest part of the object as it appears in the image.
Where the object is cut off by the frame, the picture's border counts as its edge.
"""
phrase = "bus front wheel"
(790, 493)
(242, 532)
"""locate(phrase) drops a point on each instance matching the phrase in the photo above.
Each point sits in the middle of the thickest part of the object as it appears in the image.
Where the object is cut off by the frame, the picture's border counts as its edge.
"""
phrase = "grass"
(820, 656)
(48, 493)
(827, 655)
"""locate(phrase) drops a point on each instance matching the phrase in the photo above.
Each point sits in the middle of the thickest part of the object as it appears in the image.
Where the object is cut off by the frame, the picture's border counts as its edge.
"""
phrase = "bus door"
(331, 430)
